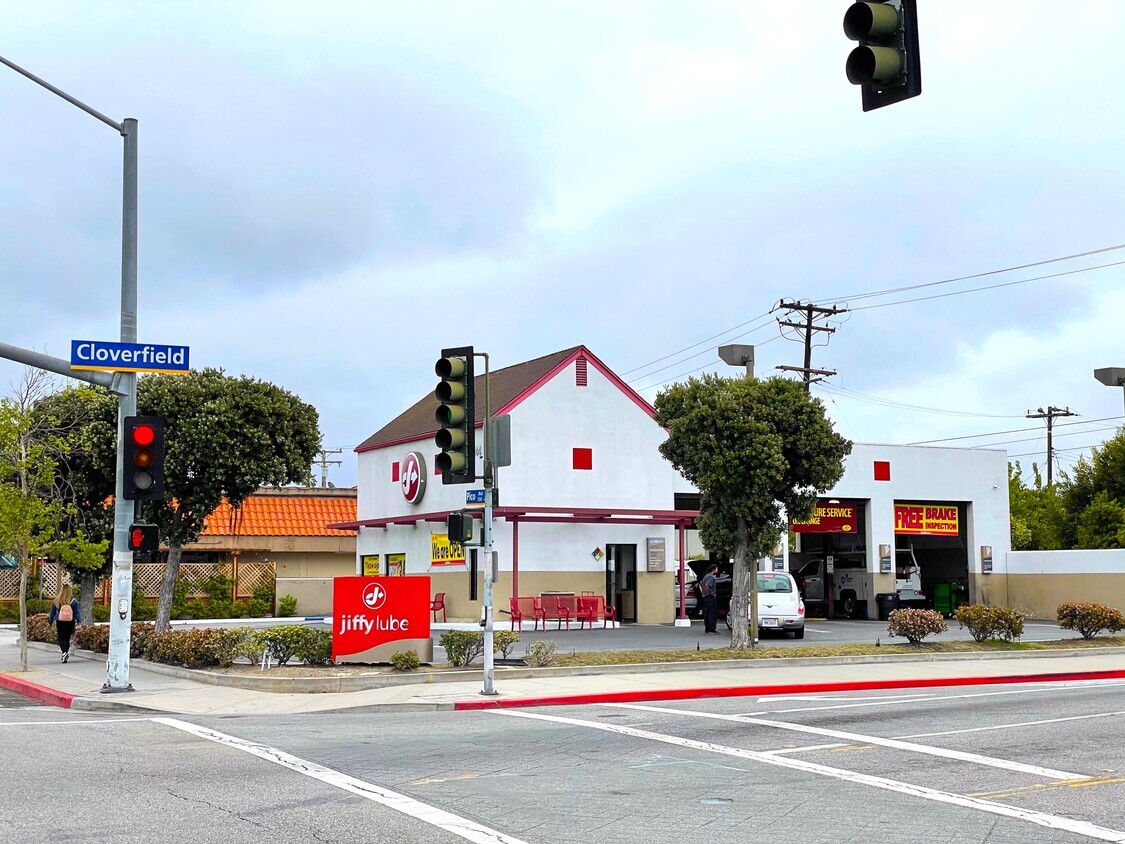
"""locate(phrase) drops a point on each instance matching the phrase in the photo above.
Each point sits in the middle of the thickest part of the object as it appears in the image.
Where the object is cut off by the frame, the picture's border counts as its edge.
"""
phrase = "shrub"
(287, 606)
(259, 607)
(503, 641)
(218, 587)
(462, 646)
(9, 613)
(92, 637)
(315, 647)
(286, 642)
(101, 612)
(38, 630)
(1089, 619)
(36, 606)
(226, 643)
(541, 653)
(138, 638)
(915, 625)
(189, 648)
(405, 660)
(253, 647)
(265, 594)
(990, 622)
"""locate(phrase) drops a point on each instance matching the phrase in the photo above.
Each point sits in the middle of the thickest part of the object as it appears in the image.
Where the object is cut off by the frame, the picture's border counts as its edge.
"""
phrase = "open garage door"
(933, 533)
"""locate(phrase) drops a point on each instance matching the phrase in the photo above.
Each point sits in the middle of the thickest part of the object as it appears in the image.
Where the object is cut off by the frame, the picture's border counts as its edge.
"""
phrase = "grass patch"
(767, 652)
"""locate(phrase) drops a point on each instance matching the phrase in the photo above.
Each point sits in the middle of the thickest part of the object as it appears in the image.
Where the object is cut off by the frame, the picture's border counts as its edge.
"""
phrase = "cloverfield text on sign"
(375, 617)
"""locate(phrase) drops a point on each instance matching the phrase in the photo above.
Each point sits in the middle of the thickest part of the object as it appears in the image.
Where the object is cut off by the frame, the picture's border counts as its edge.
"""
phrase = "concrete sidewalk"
(80, 682)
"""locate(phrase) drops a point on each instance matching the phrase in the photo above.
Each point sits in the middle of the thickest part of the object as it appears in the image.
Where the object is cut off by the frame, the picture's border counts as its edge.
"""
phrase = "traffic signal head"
(456, 416)
(143, 478)
(886, 64)
(144, 539)
(459, 526)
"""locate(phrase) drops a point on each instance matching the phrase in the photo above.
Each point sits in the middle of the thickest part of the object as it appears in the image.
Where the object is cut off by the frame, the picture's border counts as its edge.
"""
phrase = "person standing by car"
(65, 615)
(710, 600)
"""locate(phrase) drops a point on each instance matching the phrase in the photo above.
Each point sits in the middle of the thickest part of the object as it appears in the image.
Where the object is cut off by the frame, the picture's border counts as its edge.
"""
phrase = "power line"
(1036, 439)
(700, 343)
(987, 287)
(697, 369)
(846, 393)
(1013, 431)
(891, 290)
(689, 357)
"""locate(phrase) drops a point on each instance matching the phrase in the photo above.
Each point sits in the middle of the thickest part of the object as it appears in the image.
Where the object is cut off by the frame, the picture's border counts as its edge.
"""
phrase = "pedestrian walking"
(710, 600)
(65, 615)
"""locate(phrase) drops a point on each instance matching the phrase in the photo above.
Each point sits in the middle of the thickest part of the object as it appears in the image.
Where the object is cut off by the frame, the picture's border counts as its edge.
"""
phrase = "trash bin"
(887, 602)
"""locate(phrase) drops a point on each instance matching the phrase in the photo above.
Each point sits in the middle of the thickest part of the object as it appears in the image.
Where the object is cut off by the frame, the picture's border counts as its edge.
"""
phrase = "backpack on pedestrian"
(66, 613)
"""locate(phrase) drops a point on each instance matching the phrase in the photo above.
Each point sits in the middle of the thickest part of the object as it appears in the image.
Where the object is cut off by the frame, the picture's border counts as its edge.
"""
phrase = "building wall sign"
(927, 519)
(446, 553)
(372, 617)
(830, 518)
(412, 477)
(657, 553)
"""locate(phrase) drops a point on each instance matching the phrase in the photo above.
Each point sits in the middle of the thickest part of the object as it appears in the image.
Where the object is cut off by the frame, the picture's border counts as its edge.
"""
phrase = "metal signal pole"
(486, 534)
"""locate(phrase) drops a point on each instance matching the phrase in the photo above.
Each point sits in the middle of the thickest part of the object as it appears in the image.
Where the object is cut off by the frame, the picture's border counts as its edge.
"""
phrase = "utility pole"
(808, 329)
(1050, 414)
(324, 463)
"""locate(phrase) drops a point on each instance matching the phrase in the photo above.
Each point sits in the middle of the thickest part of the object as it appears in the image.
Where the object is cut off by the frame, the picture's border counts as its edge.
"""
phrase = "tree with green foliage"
(1101, 524)
(1102, 472)
(760, 452)
(81, 422)
(1038, 512)
(31, 509)
(225, 438)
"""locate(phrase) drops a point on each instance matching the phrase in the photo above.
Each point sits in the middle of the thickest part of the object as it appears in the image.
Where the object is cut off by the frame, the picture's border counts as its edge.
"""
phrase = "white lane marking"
(465, 828)
(1048, 687)
(857, 738)
(1020, 724)
(53, 723)
(820, 697)
(1044, 819)
(806, 749)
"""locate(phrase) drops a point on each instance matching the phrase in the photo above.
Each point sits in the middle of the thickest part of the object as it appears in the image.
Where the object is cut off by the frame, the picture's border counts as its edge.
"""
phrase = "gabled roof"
(285, 512)
(510, 386)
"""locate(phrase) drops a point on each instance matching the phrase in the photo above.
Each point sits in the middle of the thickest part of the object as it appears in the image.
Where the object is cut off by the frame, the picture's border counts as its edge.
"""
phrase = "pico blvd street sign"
(474, 498)
(128, 357)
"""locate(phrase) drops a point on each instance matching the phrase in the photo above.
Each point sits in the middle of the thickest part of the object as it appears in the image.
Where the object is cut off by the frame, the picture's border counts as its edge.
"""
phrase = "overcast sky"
(328, 189)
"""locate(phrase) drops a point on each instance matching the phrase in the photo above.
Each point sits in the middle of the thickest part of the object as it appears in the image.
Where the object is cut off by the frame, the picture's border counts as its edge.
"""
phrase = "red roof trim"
(572, 515)
(581, 352)
(424, 438)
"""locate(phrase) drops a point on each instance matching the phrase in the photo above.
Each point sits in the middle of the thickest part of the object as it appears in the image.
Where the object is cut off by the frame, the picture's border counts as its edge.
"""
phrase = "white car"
(779, 604)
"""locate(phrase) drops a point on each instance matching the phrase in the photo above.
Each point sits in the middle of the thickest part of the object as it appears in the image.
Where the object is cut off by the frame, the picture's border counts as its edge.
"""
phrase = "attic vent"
(580, 372)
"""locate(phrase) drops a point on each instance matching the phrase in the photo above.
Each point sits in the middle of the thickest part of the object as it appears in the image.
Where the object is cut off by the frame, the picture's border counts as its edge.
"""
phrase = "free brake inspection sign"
(128, 357)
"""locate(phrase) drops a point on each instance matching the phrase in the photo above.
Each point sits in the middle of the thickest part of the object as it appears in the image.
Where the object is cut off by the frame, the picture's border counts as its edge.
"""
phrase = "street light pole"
(120, 617)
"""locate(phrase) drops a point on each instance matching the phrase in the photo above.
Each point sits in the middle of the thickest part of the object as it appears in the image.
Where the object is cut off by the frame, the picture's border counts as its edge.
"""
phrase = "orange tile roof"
(283, 515)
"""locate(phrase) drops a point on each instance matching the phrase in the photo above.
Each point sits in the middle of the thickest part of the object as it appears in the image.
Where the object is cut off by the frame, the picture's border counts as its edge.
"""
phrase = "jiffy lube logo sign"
(412, 476)
(368, 612)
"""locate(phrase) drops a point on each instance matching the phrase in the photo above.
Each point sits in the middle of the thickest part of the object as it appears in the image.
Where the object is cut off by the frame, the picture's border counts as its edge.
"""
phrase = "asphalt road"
(992, 764)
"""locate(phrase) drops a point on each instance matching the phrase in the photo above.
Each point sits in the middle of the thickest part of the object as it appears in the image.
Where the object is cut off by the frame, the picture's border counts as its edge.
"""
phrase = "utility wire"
(1014, 431)
(891, 290)
(697, 369)
(682, 361)
(700, 343)
(1033, 439)
(846, 393)
(987, 287)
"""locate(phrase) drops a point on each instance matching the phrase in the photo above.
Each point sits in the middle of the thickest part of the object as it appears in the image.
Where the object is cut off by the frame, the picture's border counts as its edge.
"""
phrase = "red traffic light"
(144, 435)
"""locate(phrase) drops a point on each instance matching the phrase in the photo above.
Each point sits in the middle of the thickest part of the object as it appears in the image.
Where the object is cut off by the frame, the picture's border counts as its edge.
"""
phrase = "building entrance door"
(621, 580)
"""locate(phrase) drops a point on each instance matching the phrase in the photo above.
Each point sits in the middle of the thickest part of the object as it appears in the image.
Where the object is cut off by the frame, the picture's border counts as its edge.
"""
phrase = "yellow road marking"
(1031, 789)
(458, 777)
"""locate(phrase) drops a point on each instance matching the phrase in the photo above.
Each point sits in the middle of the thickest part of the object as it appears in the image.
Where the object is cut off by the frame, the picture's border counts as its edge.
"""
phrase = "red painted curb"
(787, 689)
(53, 697)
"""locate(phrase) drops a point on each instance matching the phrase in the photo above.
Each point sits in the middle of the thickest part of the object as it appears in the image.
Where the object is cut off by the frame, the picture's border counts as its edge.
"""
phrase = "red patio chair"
(608, 612)
(587, 611)
(523, 607)
(568, 609)
(438, 603)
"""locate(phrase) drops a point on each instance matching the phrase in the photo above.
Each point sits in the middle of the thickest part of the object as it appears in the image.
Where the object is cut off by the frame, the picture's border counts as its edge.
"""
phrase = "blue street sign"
(474, 498)
(128, 357)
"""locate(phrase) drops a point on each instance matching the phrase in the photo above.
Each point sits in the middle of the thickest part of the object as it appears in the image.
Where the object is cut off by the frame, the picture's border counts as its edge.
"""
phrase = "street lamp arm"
(53, 364)
(90, 111)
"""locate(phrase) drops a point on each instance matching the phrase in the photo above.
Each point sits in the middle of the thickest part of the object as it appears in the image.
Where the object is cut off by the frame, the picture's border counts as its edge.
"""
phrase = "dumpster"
(887, 602)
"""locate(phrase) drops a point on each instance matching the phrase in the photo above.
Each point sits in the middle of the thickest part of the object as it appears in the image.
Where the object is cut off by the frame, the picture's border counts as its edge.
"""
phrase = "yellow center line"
(1031, 789)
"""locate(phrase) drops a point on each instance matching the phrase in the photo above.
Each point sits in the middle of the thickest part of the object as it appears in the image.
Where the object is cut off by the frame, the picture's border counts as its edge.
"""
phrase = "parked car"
(780, 606)
(691, 600)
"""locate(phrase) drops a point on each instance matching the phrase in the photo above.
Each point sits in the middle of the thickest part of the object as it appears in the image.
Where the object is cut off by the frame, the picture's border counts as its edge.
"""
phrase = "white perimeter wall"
(1110, 561)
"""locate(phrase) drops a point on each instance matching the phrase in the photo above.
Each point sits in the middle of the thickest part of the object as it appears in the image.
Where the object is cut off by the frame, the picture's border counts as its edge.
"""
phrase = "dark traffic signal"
(144, 539)
(144, 459)
(886, 64)
(459, 526)
(457, 416)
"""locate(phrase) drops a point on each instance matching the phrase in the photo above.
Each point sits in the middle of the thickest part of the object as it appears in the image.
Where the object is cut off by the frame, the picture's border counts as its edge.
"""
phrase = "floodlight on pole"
(737, 354)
